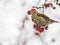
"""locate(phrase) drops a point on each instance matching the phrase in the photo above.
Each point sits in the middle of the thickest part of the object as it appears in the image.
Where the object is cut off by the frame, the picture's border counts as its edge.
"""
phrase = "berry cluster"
(49, 5)
(57, 2)
(39, 28)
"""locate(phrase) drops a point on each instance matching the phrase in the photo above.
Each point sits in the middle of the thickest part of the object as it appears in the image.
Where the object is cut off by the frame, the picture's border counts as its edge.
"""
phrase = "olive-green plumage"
(41, 19)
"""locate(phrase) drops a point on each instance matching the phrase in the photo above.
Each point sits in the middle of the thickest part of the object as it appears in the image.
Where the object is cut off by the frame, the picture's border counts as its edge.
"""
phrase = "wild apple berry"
(46, 28)
(34, 26)
(37, 28)
(28, 12)
(41, 29)
(54, 7)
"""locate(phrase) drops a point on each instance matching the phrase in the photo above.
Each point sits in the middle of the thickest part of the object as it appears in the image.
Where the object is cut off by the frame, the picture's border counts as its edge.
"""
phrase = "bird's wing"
(41, 21)
(44, 16)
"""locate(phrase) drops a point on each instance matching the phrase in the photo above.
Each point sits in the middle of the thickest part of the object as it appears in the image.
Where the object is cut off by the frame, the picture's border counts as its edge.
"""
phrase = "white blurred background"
(16, 30)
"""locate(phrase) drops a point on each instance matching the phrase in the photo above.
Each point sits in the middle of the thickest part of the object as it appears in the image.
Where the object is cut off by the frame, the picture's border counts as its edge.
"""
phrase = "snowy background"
(15, 29)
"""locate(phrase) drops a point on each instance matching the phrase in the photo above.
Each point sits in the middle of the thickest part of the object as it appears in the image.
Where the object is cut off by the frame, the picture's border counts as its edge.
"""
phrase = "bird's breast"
(39, 20)
(35, 18)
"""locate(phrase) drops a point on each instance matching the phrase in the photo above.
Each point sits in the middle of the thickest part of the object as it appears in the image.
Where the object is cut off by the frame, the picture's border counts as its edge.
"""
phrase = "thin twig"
(36, 7)
(43, 6)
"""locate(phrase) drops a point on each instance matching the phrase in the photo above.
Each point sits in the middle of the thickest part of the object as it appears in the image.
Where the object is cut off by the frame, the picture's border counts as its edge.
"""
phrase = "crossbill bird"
(40, 19)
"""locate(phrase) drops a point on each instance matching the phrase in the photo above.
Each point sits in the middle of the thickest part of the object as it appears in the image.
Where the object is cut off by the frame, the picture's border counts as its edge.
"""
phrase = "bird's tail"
(52, 21)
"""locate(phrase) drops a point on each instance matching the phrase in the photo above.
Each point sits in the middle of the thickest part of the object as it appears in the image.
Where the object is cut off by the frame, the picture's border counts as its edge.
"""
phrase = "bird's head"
(31, 11)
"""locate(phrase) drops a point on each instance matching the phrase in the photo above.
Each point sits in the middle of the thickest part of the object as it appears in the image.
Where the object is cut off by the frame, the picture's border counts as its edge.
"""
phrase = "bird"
(40, 19)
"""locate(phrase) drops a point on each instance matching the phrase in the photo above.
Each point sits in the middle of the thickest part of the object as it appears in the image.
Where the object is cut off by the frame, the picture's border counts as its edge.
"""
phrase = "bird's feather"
(44, 16)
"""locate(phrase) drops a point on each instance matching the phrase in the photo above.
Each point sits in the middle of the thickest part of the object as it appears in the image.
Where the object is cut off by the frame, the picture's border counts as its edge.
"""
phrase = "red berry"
(37, 28)
(57, 0)
(56, 3)
(34, 26)
(46, 28)
(28, 12)
(54, 7)
(41, 29)
(59, 4)
(46, 5)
